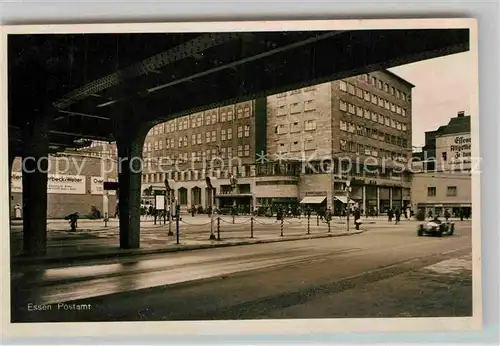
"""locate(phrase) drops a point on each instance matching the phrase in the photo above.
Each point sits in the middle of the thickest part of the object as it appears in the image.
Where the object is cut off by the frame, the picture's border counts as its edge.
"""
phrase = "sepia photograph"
(243, 171)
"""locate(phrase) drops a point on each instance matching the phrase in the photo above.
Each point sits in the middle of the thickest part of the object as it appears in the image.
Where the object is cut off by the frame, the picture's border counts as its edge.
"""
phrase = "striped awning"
(313, 200)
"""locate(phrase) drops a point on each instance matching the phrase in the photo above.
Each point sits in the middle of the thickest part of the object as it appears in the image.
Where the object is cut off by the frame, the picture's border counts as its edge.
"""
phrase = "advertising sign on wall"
(454, 150)
(96, 186)
(56, 184)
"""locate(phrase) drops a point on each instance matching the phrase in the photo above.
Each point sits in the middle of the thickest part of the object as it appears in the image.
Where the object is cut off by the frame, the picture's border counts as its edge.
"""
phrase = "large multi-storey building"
(365, 119)
(443, 179)
(279, 147)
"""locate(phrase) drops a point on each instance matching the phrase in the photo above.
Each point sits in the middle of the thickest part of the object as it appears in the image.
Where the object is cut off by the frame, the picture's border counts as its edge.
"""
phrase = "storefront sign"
(56, 184)
(316, 193)
(96, 186)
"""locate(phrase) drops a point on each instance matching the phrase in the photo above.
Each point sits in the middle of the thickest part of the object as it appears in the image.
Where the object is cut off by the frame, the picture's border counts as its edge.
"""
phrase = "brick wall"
(60, 205)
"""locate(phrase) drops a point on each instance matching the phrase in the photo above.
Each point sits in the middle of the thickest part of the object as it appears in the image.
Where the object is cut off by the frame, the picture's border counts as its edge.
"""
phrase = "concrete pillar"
(129, 194)
(364, 200)
(378, 200)
(34, 182)
(189, 197)
(390, 197)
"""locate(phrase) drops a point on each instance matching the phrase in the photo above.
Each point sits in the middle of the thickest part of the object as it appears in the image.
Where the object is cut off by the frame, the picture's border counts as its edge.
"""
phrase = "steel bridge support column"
(34, 182)
(130, 135)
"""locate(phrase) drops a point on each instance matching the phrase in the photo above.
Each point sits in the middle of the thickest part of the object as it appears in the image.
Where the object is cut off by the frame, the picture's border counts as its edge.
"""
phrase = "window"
(295, 146)
(199, 121)
(393, 123)
(223, 117)
(229, 134)
(374, 99)
(381, 102)
(214, 118)
(374, 81)
(295, 127)
(360, 130)
(239, 113)
(246, 111)
(398, 125)
(359, 111)
(295, 108)
(282, 110)
(404, 127)
(240, 131)
(309, 105)
(343, 125)
(392, 90)
(198, 138)
(381, 119)
(403, 96)
(310, 125)
(214, 136)
(379, 84)
(193, 139)
(387, 105)
(310, 144)
(343, 145)
(368, 132)
(375, 134)
(240, 150)
(180, 142)
(351, 147)
(207, 137)
(368, 150)
(451, 191)
(281, 129)
(398, 94)
(246, 150)
(351, 109)
(223, 134)
(367, 114)
(207, 119)
(374, 116)
(351, 89)
(359, 93)
(230, 115)
(367, 96)
(398, 110)
(393, 107)
(343, 85)
(386, 87)
(351, 128)
(387, 121)
(343, 105)
(431, 192)
(443, 155)
(403, 112)
(223, 153)
(247, 131)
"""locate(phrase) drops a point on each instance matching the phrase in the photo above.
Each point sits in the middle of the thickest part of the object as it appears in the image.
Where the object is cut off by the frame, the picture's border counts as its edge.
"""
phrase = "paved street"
(329, 277)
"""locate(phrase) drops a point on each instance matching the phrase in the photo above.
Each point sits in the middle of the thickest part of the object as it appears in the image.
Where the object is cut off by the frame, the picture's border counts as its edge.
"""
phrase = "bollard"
(251, 227)
(170, 233)
(106, 219)
(218, 228)
(177, 229)
(329, 230)
(309, 224)
(233, 219)
(317, 220)
(282, 227)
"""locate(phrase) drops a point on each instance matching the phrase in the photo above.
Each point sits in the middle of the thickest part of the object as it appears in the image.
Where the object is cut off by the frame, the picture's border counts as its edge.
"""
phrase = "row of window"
(368, 150)
(297, 146)
(297, 107)
(297, 91)
(451, 191)
(360, 130)
(196, 138)
(373, 116)
(309, 125)
(347, 107)
(188, 175)
(384, 86)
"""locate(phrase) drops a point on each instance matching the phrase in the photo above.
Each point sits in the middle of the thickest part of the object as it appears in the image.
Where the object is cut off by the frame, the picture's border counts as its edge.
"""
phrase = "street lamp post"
(210, 184)
(348, 196)
(169, 185)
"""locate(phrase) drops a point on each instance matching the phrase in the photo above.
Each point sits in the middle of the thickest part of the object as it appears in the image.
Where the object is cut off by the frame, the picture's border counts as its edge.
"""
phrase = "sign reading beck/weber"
(56, 183)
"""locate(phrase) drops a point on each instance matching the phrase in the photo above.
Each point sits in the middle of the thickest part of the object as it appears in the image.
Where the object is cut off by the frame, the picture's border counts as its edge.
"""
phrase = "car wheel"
(439, 233)
(420, 231)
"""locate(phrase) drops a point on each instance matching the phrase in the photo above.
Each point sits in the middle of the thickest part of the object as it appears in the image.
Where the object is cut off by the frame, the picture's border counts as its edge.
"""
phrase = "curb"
(124, 253)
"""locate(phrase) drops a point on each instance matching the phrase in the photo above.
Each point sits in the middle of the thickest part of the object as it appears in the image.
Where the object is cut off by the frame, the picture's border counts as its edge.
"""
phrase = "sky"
(443, 87)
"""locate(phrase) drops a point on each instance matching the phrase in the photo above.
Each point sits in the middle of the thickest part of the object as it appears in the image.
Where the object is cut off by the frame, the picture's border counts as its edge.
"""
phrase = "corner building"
(277, 144)
(365, 119)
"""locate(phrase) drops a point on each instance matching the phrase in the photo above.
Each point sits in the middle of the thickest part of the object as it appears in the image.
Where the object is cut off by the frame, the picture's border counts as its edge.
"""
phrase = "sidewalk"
(84, 247)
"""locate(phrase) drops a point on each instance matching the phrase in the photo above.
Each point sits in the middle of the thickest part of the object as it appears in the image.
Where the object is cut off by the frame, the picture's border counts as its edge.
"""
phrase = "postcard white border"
(250, 327)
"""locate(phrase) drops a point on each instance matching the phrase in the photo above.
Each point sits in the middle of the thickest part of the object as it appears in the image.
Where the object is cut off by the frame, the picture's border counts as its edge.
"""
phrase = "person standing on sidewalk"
(390, 214)
(398, 216)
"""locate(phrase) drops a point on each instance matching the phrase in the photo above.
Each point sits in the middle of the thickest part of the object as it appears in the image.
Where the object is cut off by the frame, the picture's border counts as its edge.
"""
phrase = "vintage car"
(436, 227)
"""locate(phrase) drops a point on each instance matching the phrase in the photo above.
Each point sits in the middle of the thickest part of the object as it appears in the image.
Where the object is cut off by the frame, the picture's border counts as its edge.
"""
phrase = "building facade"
(363, 122)
(75, 182)
(444, 181)
(289, 146)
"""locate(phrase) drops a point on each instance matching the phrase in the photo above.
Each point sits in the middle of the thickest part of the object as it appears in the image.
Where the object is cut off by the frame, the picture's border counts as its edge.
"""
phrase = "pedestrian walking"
(390, 214)
(398, 216)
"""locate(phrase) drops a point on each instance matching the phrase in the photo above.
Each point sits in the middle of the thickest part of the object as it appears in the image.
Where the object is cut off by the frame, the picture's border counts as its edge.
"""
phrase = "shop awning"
(313, 200)
(343, 199)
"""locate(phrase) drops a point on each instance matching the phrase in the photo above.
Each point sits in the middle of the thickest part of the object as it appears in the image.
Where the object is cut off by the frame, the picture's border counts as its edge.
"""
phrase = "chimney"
(461, 114)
